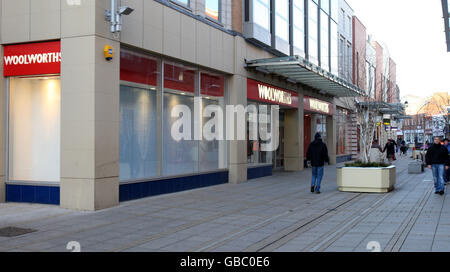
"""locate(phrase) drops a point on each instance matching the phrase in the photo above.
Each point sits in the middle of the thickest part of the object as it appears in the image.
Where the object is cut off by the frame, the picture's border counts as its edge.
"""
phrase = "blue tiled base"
(259, 172)
(32, 194)
(152, 188)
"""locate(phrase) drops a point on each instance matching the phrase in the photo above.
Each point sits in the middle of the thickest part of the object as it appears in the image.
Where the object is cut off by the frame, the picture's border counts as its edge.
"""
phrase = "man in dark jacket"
(318, 155)
(437, 160)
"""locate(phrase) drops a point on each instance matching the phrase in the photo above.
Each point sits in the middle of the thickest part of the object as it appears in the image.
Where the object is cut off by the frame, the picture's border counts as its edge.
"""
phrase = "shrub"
(366, 165)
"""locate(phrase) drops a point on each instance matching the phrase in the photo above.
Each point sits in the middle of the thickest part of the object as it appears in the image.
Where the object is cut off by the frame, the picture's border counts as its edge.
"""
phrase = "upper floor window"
(261, 13)
(282, 19)
(182, 2)
(334, 48)
(325, 6)
(313, 41)
(324, 41)
(212, 9)
(334, 9)
(299, 26)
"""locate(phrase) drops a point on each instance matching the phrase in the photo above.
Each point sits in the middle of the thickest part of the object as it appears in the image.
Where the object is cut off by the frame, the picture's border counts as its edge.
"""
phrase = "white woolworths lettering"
(274, 95)
(32, 59)
(320, 106)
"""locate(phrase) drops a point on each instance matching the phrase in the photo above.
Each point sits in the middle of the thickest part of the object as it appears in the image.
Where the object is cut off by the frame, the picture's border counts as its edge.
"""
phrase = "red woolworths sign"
(270, 94)
(32, 59)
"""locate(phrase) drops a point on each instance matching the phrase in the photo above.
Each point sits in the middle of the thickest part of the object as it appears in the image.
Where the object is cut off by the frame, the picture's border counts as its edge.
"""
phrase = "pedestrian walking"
(447, 172)
(317, 154)
(389, 148)
(438, 161)
(376, 152)
(403, 148)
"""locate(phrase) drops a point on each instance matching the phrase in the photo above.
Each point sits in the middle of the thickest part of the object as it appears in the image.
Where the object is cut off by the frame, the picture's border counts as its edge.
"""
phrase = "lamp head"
(125, 10)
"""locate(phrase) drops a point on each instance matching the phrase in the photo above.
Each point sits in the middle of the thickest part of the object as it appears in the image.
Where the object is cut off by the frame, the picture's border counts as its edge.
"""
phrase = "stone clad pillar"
(293, 138)
(90, 94)
(237, 95)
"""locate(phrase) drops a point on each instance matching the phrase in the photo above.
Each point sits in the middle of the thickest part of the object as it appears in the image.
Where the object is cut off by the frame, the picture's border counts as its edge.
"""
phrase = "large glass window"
(282, 19)
(34, 129)
(348, 64)
(157, 128)
(138, 116)
(325, 5)
(299, 27)
(321, 126)
(324, 41)
(334, 9)
(334, 48)
(313, 49)
(212, 9)
(179, 156)
(342, 142)
(212, 153)
(261, 13)
(138, 133)
(257, 112)
(342, 59)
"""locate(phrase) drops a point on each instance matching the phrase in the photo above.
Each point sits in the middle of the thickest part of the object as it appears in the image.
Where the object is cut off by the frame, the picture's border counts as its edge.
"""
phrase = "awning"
(298, 70)
(384, 107)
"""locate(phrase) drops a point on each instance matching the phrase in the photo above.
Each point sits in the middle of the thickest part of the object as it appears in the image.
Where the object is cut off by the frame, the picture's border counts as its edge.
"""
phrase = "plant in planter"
(365, 176)
(368, 176)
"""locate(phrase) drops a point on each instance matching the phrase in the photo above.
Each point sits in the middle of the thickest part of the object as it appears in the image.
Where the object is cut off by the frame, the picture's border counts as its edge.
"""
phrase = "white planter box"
(366, 180)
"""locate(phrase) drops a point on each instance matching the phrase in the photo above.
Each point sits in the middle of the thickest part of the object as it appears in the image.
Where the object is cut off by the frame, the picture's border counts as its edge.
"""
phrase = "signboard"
(32, 59)
(270, 94)
(316, 105)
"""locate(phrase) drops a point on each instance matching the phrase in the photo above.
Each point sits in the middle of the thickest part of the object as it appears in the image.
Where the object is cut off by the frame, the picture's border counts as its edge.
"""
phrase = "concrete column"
(293, 138)
(237, 95)
(331, 138)
(90, 89)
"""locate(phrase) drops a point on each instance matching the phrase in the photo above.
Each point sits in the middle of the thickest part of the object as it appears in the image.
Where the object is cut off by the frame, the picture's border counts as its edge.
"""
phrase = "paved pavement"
(275, 213)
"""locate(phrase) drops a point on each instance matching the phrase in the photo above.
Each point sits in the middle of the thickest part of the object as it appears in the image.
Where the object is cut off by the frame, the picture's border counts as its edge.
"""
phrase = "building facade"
(90, 112)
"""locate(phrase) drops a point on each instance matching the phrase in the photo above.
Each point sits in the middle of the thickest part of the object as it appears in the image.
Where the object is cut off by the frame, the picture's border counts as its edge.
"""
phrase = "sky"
(413, 31)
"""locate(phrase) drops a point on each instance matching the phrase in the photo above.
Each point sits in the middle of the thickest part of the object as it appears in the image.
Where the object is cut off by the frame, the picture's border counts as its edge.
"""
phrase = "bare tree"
(367, 108)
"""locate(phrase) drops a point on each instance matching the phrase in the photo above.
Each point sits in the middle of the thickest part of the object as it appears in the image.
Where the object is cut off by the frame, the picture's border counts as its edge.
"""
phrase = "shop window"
(255, 155)
(138, 137)
(179, 157)
(141, 106)
(212, 152)
(138, 116)
(342, 134)
(34, 129)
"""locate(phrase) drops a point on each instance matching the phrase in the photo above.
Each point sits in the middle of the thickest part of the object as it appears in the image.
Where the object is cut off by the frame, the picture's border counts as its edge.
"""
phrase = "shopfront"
(32, 73)
(263, 100)
(153, 160)
(316, 115)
